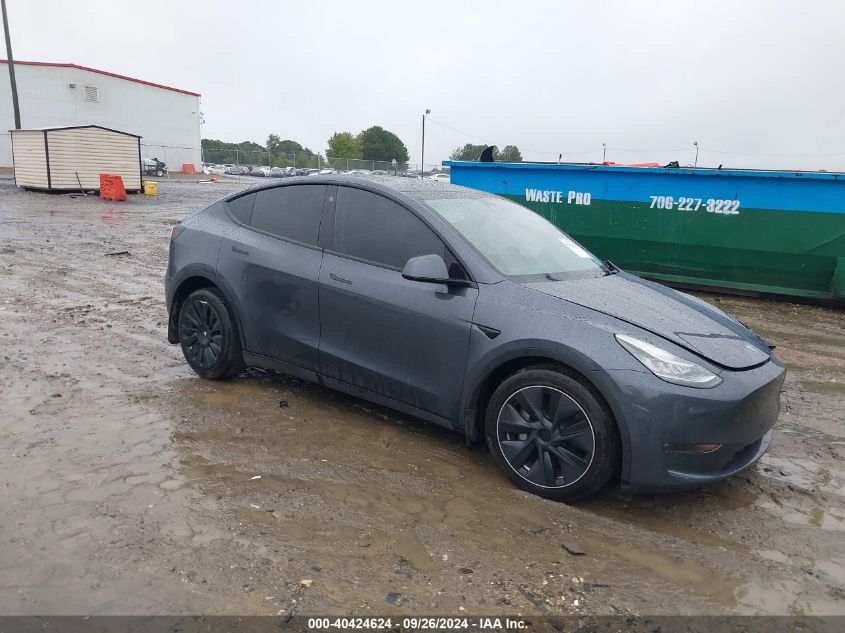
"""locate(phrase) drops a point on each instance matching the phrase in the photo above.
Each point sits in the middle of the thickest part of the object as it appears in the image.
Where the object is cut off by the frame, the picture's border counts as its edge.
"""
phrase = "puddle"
(825, 520)
(772, 555)
(676, 514)
(830, 387)
(834, 569)
(814, 517)
(775, 598)
(677, 570)
(808, 474)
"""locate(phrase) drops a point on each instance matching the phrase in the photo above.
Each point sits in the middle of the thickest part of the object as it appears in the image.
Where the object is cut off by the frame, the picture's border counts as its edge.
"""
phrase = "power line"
(525, 149)
(643, 150)
(454, 129)
(719, 151)
(650, 150)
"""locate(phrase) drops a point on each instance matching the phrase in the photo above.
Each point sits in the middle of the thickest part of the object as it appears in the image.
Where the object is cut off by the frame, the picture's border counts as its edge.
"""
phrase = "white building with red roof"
(53, 95)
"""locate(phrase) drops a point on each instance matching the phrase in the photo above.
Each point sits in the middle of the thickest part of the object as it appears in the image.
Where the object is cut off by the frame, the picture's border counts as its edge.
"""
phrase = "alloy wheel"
(201, 334)
(545, 436)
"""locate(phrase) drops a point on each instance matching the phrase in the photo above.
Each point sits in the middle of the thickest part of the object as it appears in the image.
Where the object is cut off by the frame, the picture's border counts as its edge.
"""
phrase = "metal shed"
(73, 157)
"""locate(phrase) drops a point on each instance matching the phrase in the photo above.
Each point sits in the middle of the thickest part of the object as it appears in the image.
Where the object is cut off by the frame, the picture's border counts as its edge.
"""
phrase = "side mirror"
(431, 269)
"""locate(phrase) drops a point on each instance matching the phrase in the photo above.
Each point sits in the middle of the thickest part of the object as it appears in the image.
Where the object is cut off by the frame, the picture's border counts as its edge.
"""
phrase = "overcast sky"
(764, 79)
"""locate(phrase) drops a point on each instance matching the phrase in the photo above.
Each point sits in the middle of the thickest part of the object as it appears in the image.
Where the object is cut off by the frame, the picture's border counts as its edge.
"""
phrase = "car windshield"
(516, 241)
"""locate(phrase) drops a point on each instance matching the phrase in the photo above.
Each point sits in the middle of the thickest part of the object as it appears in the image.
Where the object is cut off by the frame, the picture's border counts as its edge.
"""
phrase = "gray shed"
(67, 158)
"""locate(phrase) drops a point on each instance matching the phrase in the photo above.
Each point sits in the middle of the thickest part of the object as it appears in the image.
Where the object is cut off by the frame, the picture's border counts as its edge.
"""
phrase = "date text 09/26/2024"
(417, 623)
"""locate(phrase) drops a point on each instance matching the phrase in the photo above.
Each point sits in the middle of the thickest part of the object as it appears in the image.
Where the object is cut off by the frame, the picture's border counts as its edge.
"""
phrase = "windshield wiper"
(609, 268)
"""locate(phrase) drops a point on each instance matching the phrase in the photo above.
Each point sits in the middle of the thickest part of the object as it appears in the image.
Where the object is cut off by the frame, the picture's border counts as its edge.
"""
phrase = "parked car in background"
(379, 172)
(278, 172)
(235, 170)
(439, 177)
(260, 172)
(474, 312)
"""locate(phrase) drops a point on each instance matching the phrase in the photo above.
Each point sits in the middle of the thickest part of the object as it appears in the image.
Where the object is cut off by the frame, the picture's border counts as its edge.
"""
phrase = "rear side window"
(241, 208)
(371, 227)
(291, 212)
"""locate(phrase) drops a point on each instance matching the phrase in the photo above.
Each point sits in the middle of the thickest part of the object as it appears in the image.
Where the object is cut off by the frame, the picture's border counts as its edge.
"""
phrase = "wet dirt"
(130, 485)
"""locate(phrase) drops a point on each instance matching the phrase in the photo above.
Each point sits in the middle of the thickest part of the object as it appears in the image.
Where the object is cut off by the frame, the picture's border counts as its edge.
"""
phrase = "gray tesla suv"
(474, 313)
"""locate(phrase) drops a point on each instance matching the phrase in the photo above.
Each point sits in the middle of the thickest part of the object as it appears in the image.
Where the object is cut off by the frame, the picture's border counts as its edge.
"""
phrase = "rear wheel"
(208, 335)
(550, 435)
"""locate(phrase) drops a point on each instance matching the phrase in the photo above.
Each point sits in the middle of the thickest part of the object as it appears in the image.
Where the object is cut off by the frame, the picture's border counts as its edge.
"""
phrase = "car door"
(401, 339)
(272, 263)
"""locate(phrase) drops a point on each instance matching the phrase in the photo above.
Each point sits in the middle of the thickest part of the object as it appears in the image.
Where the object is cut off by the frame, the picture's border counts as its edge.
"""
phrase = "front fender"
(482, 368)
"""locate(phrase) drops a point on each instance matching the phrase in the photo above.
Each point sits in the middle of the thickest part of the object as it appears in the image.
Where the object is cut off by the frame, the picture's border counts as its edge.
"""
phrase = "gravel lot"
(131, 486)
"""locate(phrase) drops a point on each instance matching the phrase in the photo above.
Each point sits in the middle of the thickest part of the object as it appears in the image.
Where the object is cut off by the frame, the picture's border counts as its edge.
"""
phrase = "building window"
(92, 94)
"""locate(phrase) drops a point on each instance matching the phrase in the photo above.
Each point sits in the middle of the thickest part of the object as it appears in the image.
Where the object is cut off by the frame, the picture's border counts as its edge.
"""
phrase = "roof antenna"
(487, 154)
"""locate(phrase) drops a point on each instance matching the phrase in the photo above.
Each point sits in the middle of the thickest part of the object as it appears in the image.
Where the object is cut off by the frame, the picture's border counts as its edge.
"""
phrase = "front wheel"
(208, 335)
(550, 435)
(159, 173)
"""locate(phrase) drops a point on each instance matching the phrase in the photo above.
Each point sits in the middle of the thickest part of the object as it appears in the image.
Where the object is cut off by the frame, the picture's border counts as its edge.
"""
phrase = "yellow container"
(150, 188)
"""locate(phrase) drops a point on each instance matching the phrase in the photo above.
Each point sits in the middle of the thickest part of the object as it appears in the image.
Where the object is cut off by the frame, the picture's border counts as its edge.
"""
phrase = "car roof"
(418, 189)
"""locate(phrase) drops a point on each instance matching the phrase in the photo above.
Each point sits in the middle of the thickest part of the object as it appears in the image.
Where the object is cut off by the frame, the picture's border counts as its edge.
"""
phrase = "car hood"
(680, 318)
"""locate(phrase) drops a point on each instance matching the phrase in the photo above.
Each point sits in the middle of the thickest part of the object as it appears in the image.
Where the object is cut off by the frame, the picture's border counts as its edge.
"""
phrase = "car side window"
(292, 212)
(241, 208)
(373, 228)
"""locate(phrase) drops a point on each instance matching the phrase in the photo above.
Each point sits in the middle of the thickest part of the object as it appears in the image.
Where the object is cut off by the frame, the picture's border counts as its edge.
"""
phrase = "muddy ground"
(129, 485)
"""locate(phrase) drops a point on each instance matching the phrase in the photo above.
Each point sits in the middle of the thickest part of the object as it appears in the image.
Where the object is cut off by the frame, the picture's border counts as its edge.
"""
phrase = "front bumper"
(664, 422)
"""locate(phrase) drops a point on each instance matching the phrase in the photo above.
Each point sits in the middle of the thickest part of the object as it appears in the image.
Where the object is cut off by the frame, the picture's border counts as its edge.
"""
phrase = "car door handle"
(235, 249)
(340, 279)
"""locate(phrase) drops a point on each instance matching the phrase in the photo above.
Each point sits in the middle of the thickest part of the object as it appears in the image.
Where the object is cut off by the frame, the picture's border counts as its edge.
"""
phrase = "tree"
(510, 154)
(345, 145)
(467, 152)
(286, 153)
(273, 142)
(379, 144)
(283, 153)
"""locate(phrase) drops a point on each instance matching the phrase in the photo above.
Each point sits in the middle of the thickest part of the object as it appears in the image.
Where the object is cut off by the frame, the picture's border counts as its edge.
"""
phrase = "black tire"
(159, 173)
(208, 335)
(551, 435)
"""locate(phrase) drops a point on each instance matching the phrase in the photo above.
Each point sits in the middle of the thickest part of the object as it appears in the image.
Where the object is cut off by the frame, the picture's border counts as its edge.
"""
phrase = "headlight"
(667, 366)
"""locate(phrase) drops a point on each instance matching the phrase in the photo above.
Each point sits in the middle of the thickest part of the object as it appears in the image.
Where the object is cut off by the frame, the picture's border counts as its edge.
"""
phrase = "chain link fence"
(352, 164)
(261, 158)
(265, 158)
(177, 155)
(174, 156)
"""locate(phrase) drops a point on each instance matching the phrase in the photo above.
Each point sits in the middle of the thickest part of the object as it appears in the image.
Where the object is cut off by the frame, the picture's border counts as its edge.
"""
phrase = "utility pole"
(422, 157)
(11, 63)
(696, 153)
(603, 152)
